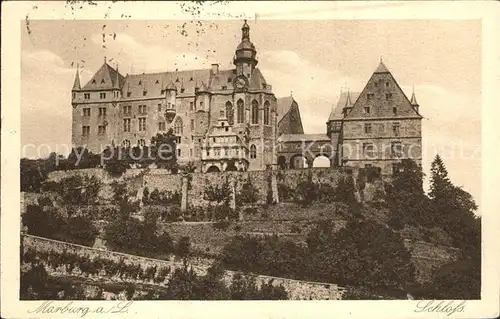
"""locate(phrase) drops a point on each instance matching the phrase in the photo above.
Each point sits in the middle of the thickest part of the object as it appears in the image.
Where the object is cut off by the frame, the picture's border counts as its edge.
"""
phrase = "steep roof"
(413, 100)
(76, 84)
(222, 79)
(257, 80)
(384, 97)
(336, 113)
(283, 106)
(381, 68)
(153, 83)
(104, 79)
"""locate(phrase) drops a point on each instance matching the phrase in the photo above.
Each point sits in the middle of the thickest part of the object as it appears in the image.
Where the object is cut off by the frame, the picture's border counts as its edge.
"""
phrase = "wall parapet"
(296, 289)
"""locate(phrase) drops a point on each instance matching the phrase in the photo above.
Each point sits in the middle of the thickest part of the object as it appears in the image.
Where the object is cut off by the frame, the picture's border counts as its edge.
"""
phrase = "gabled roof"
(381, 68)
(283, 106)
(222, 80)
(104, 79)
(384, 97)
(344, 99)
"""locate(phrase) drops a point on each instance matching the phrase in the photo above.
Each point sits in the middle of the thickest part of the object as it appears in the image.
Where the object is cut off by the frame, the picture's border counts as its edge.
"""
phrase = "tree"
(165, 146)
(219, 193)
(364, 253)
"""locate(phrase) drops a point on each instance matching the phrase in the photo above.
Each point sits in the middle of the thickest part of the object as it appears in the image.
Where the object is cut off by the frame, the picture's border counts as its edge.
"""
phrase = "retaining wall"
(296, 289)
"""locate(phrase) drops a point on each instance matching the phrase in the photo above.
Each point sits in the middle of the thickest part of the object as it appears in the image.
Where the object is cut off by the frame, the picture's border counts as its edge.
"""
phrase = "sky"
(311, 59)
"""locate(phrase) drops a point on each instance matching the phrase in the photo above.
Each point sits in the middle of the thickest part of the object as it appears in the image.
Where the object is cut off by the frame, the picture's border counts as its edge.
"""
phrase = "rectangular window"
(142, 109)
(396, 149)
(201, 105)
(86, 112)
(102, 111)
(86, 96)
(178, 139)
(126, 125)
(367, 109)
(368, 149)
(102, 95)
(86, 131)
(208, 152)
(178, 152)
(192, 125)
(161, 126)
(368, 165)
(142, 124)
(101, 129)
(224, 87)
(74, 95)
(191, 106)
(395, 129)
(129, 94)
(369, 96)
(394, 110)
(127, 110)
(387, 84)
(144, 93)
(368, 128)
(159, 107)
(388, 96)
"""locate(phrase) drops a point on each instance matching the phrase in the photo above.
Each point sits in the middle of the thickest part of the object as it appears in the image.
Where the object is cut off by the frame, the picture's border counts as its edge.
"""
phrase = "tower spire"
(413, 100)
(76, 84)
(245, 31)
(117, 80)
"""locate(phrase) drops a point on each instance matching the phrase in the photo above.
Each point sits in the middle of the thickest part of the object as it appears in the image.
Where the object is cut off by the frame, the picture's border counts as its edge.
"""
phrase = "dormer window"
(191, 79)
(182, 90)
(177, 80)
(93, 81)
(388, 96)
(140, 83)
(102, 81)
(144, 93)
(157, 82)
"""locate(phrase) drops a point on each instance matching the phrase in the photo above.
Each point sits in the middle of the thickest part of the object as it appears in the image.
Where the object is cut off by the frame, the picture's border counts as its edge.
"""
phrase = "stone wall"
(162, 180)
(297, 289)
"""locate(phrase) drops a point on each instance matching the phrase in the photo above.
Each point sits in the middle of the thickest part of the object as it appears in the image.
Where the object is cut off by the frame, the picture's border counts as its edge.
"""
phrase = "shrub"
(326, 193)
(248, 193)
(396, 223)
(116, 168)
(308, 192)
(221, 225)
(285, 192)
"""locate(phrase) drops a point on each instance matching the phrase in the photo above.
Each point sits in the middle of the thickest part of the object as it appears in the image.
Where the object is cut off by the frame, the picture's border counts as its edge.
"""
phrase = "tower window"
(241, 111)
(86, 112)
(74, 95)
(255, 112)
(86, 130)
(101, 129)
(394, 110)
(367, 109)
(86, 96)
(102, 81)
(266, 112)
(93, 81)
(368, 128)
(395, 129)
(102, 95)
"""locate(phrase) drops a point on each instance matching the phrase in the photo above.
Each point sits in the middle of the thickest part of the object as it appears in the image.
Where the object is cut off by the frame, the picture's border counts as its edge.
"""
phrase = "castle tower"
(245, 54)
(76, 87)
(413, 101)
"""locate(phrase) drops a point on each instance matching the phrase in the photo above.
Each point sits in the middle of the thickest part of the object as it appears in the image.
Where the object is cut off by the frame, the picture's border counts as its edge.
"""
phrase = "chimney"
(215, 68)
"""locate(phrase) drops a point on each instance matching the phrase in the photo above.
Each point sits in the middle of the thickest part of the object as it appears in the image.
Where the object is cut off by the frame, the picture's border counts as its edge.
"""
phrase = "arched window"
(255, 112)
(253, 151)
(241, 111)
(229, 113)
(178, 126)
(266, 113)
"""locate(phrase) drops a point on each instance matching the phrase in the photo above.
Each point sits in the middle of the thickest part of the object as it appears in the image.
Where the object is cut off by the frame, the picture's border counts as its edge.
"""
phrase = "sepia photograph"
(238, 157)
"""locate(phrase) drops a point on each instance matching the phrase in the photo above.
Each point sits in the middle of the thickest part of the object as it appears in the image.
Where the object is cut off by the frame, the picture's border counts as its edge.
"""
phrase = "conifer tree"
(440, 182)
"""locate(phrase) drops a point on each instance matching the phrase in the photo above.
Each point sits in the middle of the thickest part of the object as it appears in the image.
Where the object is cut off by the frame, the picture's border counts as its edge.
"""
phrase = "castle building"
(379, 126)
(219, 117)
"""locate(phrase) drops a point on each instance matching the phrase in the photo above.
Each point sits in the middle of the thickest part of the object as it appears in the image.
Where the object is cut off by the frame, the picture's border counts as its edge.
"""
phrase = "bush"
(248, 194)
(308, 192)
(221, 225)
(396, 223)
(326, 193)
(285, 192)
(116, 168)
